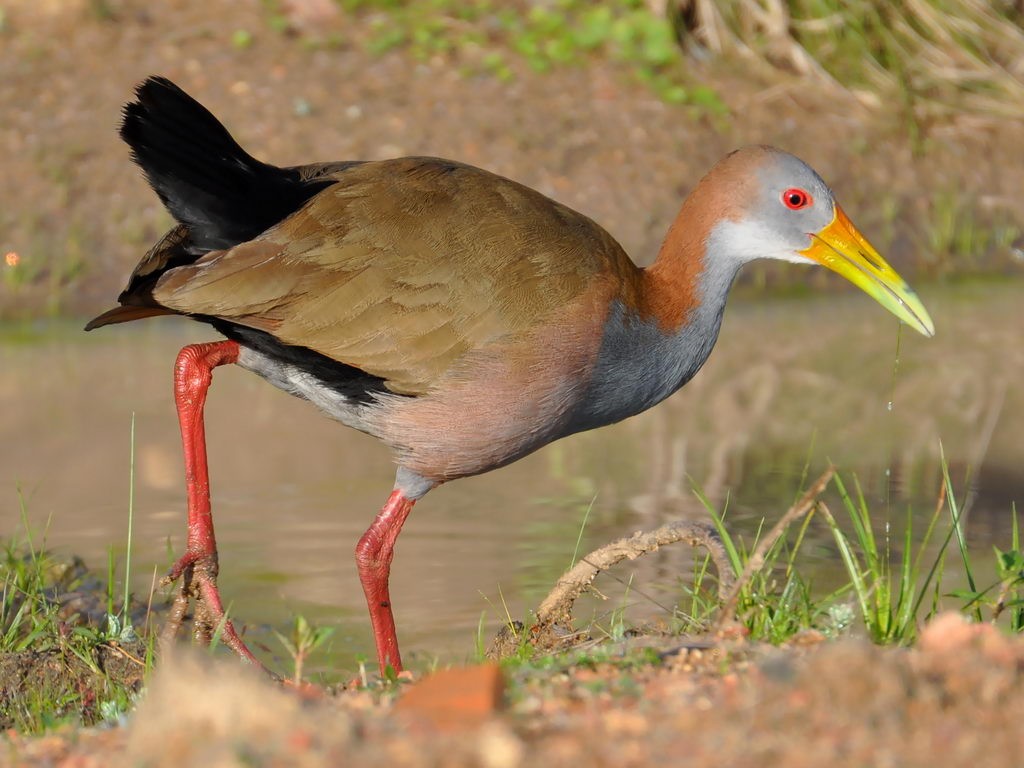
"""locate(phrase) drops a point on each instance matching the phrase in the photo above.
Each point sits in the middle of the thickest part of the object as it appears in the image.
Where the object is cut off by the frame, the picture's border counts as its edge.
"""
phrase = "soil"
(653, 698)
(68, 677)
(955, 699)
(77, 215)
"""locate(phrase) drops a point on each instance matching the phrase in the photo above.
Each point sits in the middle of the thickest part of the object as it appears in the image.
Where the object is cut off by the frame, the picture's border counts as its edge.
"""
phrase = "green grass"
(524, 669)
(57, 665)
(303, 640)
(926, 61)
(70, 676)
(891, 581)
(894, 582)
(958, 239)
(486, 37)
(775, 603)
(891, 590)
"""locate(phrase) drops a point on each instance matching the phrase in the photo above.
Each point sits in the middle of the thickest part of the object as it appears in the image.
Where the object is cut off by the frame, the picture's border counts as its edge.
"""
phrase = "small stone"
(949, 632)
(300, 740)
(623, 722)
(499, 747)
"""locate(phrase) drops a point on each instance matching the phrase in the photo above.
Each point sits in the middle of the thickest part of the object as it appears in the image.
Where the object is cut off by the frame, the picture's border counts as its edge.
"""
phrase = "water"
(791, 384)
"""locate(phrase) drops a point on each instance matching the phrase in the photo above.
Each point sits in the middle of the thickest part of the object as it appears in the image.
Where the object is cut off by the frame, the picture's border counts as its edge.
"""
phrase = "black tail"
(208, 183)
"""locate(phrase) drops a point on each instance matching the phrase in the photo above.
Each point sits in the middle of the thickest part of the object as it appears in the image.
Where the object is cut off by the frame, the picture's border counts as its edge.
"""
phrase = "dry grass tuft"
(938, 58)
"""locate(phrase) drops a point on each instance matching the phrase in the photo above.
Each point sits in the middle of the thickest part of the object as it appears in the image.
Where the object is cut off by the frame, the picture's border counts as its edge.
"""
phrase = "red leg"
(198, 567)
(373, 559)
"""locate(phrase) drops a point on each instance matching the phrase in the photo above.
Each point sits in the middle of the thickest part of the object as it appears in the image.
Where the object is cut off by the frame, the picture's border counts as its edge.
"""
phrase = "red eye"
(796, 199)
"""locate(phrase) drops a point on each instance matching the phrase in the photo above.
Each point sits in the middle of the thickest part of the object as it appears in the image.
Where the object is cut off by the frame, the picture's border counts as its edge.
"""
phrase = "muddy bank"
(77, 214)
(652, 698)
(956, 699)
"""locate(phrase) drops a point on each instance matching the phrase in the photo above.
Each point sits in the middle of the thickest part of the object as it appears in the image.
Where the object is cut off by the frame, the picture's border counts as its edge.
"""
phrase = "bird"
(462, 318)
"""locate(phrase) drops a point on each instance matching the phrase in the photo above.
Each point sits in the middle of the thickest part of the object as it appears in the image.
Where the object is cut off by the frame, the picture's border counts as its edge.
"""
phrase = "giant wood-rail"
(462, 318)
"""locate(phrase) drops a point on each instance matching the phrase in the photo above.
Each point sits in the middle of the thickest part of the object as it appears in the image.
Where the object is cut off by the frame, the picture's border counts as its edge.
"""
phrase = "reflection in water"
(790, 385)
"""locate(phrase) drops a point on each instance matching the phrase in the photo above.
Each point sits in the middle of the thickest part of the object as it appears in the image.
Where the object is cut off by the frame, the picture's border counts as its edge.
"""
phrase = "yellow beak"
(844, 250)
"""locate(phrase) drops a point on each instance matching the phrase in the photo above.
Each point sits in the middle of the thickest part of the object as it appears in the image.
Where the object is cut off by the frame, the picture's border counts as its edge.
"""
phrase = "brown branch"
(557, 606)
(757, 559)
(115, 646)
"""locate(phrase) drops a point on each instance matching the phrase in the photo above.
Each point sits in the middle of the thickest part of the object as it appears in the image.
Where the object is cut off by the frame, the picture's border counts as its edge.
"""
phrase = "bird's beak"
(843, 249)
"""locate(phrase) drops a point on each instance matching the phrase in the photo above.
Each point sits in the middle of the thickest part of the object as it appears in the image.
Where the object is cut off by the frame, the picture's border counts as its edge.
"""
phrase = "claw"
(198, 575)
(187, 562)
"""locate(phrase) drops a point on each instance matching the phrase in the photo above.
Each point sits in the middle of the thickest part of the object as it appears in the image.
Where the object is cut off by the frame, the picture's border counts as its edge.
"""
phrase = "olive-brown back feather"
(403, 266)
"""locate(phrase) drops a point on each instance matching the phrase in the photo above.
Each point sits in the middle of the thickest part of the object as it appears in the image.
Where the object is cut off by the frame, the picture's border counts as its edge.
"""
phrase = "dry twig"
(557, 606)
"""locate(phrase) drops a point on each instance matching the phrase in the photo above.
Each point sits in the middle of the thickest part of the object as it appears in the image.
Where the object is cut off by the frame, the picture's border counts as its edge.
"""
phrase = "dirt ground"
(77, 214)
(954, 700)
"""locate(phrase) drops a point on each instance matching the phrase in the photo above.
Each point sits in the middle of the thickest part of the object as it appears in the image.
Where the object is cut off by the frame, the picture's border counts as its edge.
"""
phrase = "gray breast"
(639, 364)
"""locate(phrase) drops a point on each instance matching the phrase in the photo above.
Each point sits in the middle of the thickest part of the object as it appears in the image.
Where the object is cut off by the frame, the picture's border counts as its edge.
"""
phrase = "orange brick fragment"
(456, 698)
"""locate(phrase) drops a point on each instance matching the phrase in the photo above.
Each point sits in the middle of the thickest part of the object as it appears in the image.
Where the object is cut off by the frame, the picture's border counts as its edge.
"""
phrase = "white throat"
(746, 241)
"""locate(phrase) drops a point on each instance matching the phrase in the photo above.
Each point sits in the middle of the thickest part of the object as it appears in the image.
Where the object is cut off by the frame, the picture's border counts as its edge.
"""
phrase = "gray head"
(760, 202)
(785, 201)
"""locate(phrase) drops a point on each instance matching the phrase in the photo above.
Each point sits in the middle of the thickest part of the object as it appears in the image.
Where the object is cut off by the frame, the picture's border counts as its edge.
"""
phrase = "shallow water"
(791, 384)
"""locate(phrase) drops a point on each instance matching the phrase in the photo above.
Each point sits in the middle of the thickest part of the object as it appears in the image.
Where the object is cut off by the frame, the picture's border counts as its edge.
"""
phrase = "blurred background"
(912, 112)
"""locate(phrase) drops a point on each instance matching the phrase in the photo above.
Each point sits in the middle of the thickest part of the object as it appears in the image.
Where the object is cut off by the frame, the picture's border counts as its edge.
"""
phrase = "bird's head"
(785, 211)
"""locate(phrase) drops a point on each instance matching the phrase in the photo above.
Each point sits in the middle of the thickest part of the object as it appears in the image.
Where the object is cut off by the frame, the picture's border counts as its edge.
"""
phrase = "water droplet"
(888, 472)
(888, 406)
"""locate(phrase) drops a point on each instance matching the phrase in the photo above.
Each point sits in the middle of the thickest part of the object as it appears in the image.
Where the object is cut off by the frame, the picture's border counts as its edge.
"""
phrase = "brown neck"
(673, 285)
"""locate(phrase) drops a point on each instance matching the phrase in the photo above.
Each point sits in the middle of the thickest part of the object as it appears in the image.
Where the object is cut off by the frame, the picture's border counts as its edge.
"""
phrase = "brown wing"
(402, 267)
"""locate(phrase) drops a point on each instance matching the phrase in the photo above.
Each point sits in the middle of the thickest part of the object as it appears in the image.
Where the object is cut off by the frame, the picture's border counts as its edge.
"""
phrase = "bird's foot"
(196, 573)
